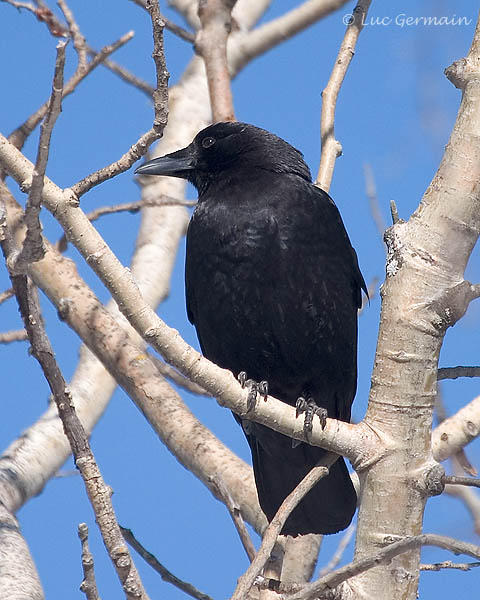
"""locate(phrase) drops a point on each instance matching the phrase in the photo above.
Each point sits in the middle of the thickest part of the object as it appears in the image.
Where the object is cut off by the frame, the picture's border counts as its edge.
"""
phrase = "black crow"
(273, 288)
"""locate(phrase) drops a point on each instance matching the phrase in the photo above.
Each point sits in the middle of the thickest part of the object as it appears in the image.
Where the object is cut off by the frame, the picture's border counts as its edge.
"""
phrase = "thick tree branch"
(211, 43)
(424, 294)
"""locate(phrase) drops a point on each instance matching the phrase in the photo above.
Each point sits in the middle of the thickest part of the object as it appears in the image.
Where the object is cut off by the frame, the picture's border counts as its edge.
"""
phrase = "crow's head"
(226, 147)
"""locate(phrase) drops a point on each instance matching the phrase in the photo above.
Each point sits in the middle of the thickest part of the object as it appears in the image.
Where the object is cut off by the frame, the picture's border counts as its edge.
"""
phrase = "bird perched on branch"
(273, 288)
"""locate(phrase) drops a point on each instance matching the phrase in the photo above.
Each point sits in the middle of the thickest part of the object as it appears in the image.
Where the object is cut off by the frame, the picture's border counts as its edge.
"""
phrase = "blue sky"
(395, 113)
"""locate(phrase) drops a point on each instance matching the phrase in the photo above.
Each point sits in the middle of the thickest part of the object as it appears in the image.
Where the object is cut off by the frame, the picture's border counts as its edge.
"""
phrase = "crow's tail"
(328, 508)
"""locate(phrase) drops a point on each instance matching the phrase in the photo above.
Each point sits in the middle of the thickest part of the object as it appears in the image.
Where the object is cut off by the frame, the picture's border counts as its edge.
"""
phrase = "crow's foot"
(310, 409)
(254, 388)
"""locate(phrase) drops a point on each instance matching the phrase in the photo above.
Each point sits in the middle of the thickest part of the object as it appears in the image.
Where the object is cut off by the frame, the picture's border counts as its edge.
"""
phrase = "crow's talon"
(254, 388)
(252, 394)
(242, 378)
(311, 409)
(263, 390)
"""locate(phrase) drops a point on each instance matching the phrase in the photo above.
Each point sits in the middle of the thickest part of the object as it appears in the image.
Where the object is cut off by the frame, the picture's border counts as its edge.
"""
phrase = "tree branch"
(334, 579)
(75, 33)
(182, 33)
(331, 148)
(275, 526)
(457, 480)
(16, 335)
(448, 564)
(6, 295)
(457, 431)
(234, 511)
(32, 249)
(211, 43)
(164, 573)
(456, 372)
(88, 585)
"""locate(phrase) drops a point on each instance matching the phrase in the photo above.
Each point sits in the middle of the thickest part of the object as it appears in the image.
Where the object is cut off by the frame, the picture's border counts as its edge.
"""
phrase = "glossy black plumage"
(273, 287)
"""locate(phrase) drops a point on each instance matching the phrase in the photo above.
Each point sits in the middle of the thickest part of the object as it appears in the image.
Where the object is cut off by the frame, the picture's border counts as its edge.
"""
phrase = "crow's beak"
(176, 164)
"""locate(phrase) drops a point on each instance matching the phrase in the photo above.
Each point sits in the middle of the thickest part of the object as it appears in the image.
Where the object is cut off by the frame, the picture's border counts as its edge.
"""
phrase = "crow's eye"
(208, 141)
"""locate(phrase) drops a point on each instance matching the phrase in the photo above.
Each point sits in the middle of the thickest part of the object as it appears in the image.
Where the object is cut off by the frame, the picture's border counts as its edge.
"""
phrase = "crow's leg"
(254, 388)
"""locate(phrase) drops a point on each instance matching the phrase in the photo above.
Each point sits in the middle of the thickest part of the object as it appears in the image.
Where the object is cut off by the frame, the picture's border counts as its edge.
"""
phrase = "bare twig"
(211, 43)
(394, 212)
(19, 135)
(88, 585)
(188, 36)
(333, 562)
(334, 579)
(16, 335)
(455, 372)
(448, 564)
(331, 148)
(6, 295)
(457, 480)
(134, 207)
(136, 151)
(124, 73)
(246, 581)
(43, 14)
(77, 36)
(160, 95)
(33, 249)
(164, 573)
(234, 512)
